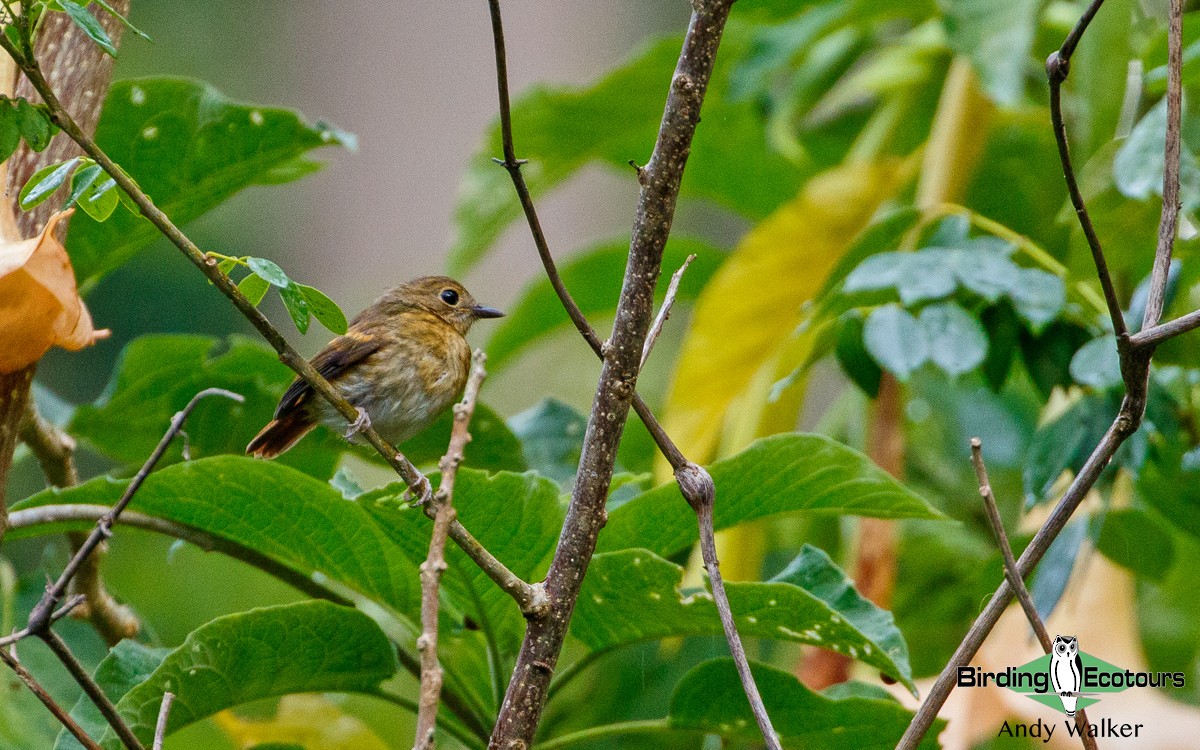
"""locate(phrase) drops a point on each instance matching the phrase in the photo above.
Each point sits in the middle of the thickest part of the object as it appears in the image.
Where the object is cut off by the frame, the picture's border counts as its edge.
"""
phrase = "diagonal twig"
(442, 510)
(160, 728)
(55, 452)
(1014, 576)
(59, 712)
(1057, 67)
(664, 312)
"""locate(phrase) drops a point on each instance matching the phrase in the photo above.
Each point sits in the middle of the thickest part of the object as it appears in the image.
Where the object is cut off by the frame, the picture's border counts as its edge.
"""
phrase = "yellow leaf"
(754, 303)
(311, 721)
(39, 304)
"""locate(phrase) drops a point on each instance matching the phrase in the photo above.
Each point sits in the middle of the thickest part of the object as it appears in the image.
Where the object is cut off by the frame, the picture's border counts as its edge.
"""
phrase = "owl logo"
(1066, 671)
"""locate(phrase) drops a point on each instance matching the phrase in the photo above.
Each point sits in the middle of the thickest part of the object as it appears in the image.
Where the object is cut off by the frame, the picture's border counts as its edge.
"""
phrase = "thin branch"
(59, 712)
(520, 713)
(160, 729)
(531, 598)
(1015, 581)
(91, 689)
(1170, 205)
(39, 617)
(60, 613)
(664, 312)
(55, 451)
(1057, 67)
(442, 508)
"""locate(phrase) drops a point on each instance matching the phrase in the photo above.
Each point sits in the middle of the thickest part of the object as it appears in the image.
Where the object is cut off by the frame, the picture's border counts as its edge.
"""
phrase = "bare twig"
(209, 266)
(55, 451)
(1135, 361)
(1057, 67)
(59, 712)
(1014, 576)
(664, 312)
(90, 688)
(59, 613)
(442, 508)
(521, 711)
(39, 617)
(1170, 192)
(164, 712)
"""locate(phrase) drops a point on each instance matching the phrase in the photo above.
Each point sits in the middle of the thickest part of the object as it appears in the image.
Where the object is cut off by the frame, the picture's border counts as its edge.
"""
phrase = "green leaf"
(880, 271)
(1064, 445)
(957, 342)
(925, 275)
(1139, 542)
(126, 666)
(517, 517)
(1038, 297)
(1050, 579)
(997, 38)
(896, 340)
(983, 266)
(1097, 363)
(297, 521)
(255, 288)
(779, 474)
(10, 129)
(157, 375)
(290, 172)
(269, 271)
(561, 130)
(35, 127)
(297, 306)
(853, 356)
(101, 199)
(310, 647)
(113, 12)
(45, 182)
(189, 148)
(325, 310)
(86, 21)
(1137, 167)
(551, 435)
(635, 595)
(594, 279)
(82, 181)
(710, 699)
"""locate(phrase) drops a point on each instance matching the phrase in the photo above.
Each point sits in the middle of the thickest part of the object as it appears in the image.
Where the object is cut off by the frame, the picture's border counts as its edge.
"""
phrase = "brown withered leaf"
(40, 306)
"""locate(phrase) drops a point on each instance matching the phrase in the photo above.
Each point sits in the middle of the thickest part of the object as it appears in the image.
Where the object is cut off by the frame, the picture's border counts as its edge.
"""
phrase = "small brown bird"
(402, 362)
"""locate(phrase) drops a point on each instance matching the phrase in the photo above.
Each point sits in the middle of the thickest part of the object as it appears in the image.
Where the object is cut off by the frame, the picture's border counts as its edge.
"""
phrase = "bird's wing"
(333, 360)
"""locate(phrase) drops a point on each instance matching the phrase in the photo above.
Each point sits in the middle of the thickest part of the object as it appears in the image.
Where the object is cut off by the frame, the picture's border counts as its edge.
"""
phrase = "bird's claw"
(361, 423)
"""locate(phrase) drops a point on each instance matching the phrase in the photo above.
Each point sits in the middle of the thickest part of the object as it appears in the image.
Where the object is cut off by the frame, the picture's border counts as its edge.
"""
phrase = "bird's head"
(443, 297)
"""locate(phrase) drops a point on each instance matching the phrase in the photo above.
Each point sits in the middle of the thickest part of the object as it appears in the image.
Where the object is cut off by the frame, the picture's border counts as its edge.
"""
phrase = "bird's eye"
(450, 297)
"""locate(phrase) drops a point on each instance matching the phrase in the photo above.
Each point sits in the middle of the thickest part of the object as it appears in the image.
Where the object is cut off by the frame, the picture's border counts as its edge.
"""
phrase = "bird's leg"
(363, 422)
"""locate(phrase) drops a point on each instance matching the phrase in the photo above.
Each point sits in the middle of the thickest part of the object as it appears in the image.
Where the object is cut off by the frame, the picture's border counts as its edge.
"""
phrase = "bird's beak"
(486, 312)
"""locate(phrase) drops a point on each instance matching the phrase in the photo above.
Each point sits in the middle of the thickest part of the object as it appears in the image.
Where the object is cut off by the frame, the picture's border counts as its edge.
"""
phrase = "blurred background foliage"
(885, 257)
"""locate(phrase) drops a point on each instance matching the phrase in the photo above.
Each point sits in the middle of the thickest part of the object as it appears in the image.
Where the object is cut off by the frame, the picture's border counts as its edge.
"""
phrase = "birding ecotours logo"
(1067, 679)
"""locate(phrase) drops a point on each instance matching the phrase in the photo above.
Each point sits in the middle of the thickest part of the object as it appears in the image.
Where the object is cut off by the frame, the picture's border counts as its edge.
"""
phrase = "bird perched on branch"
(401, 363)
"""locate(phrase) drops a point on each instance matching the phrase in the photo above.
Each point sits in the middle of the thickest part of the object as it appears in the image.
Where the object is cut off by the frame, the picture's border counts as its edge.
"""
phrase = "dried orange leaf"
(40, 306)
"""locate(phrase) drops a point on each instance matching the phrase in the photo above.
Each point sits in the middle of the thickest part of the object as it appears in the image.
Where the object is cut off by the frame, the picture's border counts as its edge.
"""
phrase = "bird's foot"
(418, 496)
(363, 422)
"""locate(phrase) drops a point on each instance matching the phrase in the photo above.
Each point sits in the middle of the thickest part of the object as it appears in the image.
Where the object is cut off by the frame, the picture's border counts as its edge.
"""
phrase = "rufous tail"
(280, 434)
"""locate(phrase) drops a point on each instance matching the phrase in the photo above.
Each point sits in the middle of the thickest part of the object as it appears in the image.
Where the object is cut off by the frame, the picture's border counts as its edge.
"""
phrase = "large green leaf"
(561, 130)
(310, 647)
(189, 148)
(594, 279)
(710, 699)
(997, 38)
(299, 522)
(778, 474)
(635, 595)
(517, 517)
(126, 666)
